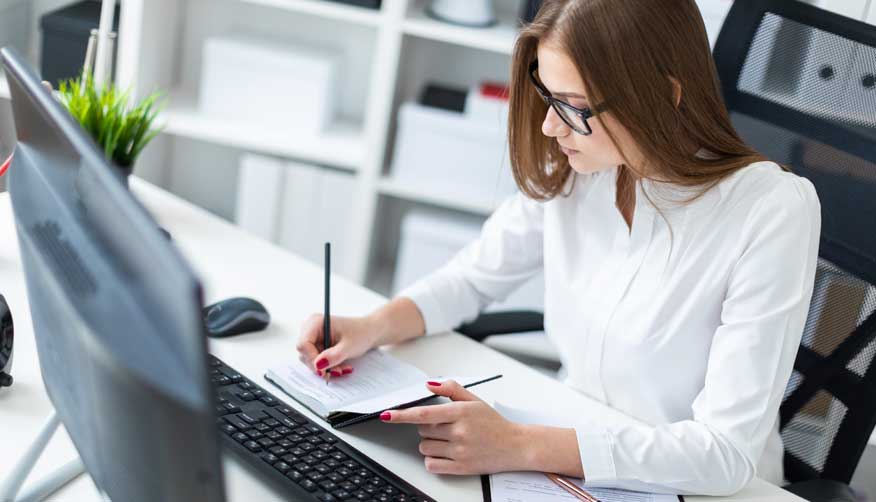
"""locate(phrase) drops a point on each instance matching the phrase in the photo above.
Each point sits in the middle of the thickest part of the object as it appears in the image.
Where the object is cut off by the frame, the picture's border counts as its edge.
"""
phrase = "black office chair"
(800, 83)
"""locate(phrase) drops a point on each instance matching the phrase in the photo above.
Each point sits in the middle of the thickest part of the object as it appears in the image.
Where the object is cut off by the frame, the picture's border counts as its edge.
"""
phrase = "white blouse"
(694, 332)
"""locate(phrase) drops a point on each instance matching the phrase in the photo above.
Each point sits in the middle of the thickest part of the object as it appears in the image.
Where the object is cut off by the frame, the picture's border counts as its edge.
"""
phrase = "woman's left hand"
(466, 436)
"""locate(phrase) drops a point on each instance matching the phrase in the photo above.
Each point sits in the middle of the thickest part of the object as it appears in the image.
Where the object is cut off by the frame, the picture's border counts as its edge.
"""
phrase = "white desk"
(232, 263)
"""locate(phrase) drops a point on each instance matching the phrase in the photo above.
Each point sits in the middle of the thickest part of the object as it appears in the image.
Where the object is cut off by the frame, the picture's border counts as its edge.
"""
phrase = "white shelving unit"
(399, 48)
(391, 53)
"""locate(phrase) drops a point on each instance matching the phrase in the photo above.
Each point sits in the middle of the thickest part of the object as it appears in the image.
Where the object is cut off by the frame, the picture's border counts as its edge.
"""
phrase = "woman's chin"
(581, 166)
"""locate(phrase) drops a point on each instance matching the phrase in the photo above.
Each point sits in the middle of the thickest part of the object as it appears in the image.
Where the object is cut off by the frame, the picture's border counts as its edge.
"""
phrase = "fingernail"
(337, 373)
(322, 363)
(434, 384)
(347, 371)
(385, 416)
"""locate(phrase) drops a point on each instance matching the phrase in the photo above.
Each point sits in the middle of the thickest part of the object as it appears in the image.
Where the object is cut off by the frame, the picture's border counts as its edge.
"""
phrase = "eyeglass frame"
(585, 113)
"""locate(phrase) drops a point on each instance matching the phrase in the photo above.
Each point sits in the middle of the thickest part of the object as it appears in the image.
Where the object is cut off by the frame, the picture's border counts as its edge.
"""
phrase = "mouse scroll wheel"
(214, 311)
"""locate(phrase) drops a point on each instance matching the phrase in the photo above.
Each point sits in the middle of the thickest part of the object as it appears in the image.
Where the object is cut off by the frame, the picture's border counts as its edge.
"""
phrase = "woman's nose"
(553, 126)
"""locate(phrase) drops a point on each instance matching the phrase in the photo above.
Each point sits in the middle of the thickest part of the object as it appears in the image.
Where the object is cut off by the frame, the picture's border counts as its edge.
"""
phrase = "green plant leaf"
(121, 130)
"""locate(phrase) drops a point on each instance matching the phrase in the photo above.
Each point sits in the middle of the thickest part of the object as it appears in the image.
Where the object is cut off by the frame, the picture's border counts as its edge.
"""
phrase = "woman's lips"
(568, 151)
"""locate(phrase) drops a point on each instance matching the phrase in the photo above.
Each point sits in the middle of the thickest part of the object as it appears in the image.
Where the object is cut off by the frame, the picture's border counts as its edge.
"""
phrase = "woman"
(679, 264)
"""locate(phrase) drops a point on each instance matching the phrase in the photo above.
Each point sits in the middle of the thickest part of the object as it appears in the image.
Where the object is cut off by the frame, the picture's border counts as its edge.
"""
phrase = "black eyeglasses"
(574, 117)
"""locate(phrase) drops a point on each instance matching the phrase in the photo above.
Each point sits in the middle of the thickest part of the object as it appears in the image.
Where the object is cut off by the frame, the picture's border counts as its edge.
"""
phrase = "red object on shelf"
(5, 166)
(494, 90)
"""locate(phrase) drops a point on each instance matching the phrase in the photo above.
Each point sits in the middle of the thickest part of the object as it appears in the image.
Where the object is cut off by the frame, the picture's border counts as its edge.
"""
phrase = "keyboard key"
(228, 428)
(341, 494)
(231, 407)
(320, 455)
(285, 443)
(240, 437)
(346, 485)
(306, 446)
(261, 427)
(246, 385)
(328, 485)
(273, 436)
(277, 450)
(328, 438)
(237, 422)
(340, 457)
(269, 458)
(268, 400)
(246, 396)
(308, 485)
(274, 423)
(282, 466)
(322, 468)
(334, 464)
(252, 446)
(315, 476)
(334, 476)
(295, 475)
(254, 434)
(361, 495)
(309, 460)
(258, 392)
(249, 419)
(351, 464)
(281, 430)
(326, 497)
(314, 429)
(265, 442)
(302, 467)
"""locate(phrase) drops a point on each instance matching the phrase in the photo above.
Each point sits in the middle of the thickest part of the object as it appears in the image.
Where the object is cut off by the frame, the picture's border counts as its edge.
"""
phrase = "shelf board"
(408, 191)
(499, 38)
(342, 145)
(328, 10)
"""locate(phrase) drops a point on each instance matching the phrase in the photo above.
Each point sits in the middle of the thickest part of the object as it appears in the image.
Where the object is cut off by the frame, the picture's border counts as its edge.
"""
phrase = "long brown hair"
(628, 52)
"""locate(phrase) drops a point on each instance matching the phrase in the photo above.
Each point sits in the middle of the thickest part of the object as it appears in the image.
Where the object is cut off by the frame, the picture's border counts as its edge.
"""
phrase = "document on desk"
(536, 487)
(379, 382)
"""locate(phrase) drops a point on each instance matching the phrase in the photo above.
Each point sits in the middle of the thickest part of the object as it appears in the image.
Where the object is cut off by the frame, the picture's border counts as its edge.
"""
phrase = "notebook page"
(536, 487)
(403, 395)
(375, 373)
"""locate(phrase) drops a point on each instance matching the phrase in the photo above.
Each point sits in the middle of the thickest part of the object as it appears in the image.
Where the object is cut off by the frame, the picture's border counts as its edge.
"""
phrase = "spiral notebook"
(378, 383)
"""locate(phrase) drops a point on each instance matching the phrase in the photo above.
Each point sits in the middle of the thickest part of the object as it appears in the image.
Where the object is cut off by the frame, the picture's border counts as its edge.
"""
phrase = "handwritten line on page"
(536, 487)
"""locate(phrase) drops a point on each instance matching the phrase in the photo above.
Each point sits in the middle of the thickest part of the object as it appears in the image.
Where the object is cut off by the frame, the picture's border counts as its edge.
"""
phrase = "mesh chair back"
(800, 84)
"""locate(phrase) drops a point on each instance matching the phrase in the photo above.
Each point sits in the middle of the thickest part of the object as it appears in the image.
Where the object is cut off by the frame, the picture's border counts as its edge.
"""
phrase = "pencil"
(572, 488)
(326, 321)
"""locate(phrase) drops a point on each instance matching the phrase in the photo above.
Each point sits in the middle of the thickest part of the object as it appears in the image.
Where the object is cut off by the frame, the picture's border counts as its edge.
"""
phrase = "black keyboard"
(300, 458)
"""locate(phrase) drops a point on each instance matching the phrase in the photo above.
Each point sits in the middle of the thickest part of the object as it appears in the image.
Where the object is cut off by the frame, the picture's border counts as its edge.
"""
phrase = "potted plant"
(119, 129)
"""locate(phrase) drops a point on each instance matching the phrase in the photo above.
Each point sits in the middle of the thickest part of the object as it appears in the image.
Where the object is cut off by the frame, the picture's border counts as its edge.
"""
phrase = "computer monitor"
(116, 312)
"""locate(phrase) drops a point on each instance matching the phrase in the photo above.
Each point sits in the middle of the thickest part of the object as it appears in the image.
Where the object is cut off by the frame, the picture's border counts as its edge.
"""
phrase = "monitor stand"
(48, 485)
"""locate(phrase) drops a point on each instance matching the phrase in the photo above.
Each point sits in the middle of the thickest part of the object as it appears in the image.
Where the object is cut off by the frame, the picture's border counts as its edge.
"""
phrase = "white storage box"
(429, 239)
(298, 206)
(317, 208)
(448, 153)
(268, 83)
(259, 195)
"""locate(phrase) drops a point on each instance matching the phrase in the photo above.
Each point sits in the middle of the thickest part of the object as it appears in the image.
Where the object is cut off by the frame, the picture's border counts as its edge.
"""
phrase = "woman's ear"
(676, 91)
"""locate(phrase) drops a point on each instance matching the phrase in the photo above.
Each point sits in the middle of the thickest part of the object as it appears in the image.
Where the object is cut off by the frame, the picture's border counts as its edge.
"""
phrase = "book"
(538, 487)
(378, 383)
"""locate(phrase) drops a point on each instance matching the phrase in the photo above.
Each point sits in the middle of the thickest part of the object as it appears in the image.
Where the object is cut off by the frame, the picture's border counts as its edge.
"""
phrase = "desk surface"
(233, 263)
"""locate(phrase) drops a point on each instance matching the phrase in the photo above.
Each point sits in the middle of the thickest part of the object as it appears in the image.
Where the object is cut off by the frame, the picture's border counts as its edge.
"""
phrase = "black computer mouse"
(235, 316)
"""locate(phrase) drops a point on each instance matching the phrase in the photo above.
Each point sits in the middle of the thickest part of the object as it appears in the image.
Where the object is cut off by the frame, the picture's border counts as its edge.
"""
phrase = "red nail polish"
(434, 384)
(337, 373)
(347, 371)
(322, 363)
(385, 416)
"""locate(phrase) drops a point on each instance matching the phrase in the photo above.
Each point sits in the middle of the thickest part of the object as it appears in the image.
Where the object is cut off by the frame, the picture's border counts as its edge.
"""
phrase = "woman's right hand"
(351, 337)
